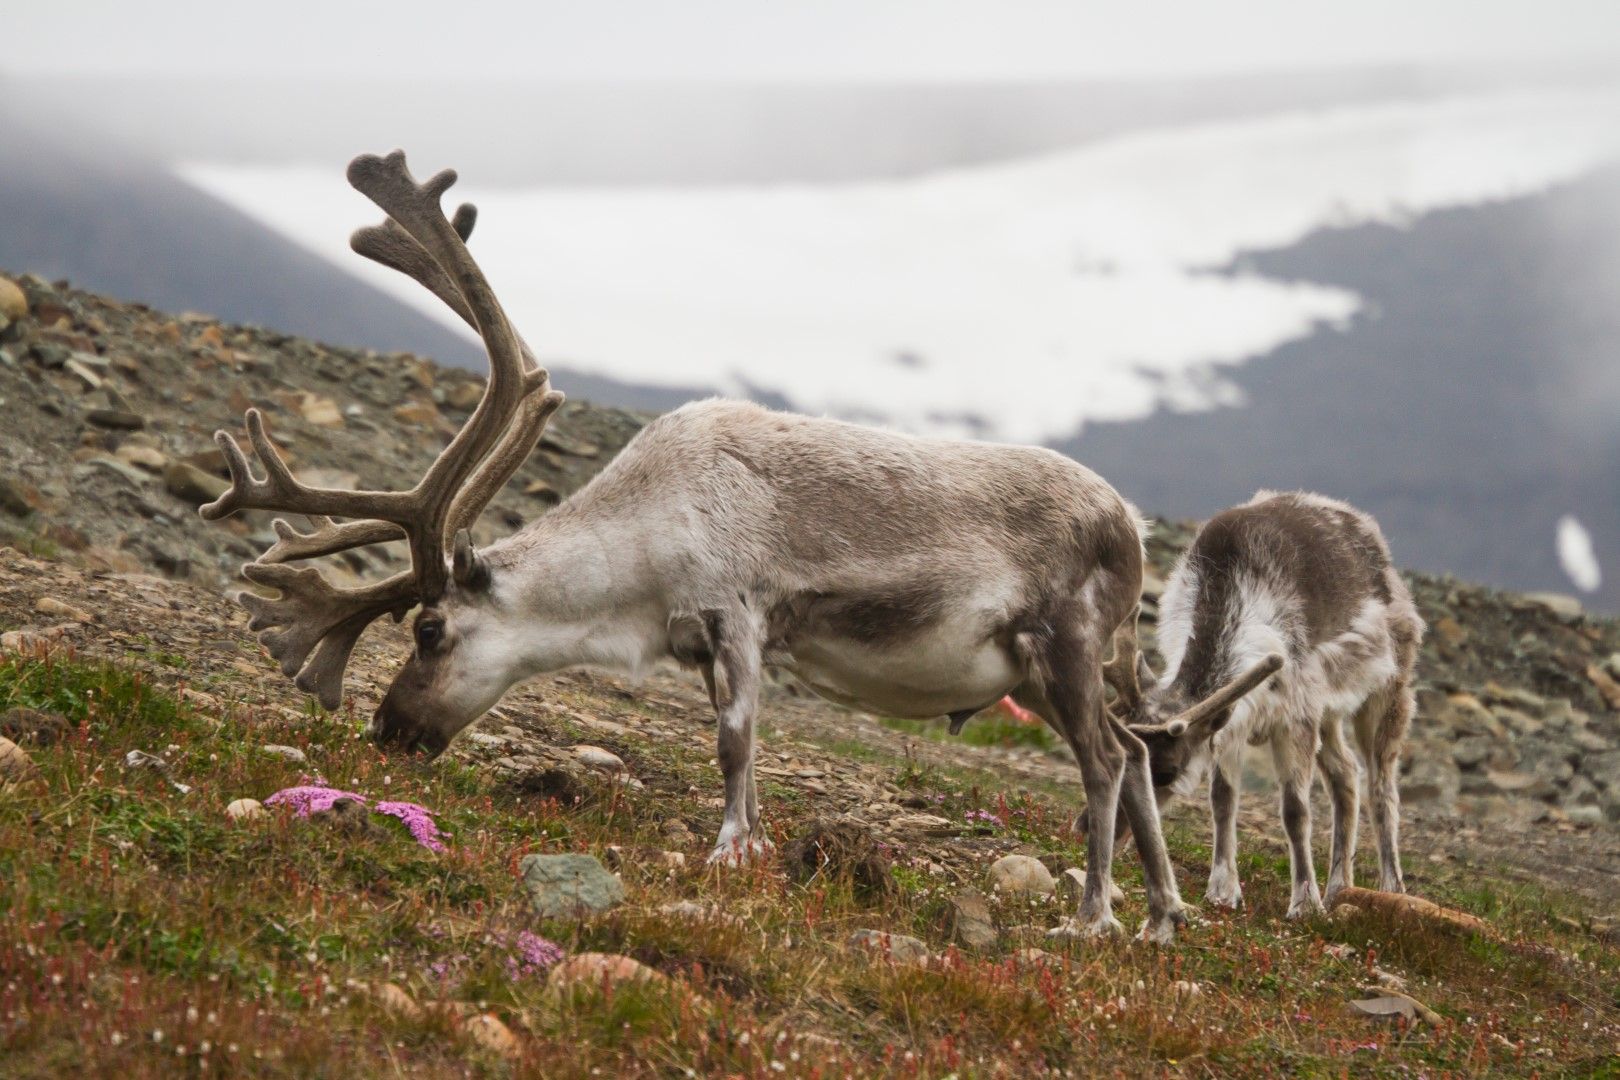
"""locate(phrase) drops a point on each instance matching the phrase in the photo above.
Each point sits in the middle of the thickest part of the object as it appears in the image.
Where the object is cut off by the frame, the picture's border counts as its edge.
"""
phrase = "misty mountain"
(1469, 407)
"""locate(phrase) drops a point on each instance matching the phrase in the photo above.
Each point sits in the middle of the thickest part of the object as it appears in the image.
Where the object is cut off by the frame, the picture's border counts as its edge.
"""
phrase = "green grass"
(143, 934)
(990, 728)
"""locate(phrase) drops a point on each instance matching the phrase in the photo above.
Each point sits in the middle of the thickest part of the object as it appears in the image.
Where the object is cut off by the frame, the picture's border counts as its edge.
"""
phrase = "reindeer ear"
(466, 567)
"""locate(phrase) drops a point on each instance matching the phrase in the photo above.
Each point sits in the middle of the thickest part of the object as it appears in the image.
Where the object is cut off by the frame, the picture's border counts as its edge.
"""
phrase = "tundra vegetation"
(147, 934)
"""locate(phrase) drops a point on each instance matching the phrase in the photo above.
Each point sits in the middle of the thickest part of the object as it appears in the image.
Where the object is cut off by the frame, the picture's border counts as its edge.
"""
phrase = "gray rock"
(116, 419)
(50, 355)
(1560, 604)
(192, 485)
(570, 885)
(289, 753)
(1021, 874)
(897, 947)
(970, 921)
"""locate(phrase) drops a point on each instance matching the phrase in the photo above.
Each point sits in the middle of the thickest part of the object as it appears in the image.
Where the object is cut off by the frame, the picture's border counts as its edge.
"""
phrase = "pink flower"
(531, 955)
(314, 799)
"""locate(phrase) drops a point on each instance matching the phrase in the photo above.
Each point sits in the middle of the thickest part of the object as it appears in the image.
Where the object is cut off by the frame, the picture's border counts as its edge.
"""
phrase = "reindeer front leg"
(1294, 751)
(1224, 783)
(737, 667)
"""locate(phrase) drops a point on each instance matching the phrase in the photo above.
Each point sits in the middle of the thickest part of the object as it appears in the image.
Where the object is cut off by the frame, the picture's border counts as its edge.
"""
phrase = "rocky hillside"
(107, 449)
(179, 897)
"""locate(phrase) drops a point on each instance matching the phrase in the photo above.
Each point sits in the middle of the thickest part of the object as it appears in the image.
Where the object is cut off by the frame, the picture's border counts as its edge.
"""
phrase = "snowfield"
(1014, 301)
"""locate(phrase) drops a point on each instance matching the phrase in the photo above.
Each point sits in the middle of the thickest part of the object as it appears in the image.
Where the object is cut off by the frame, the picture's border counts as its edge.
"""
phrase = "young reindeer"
(907, 576)
(1304, 584)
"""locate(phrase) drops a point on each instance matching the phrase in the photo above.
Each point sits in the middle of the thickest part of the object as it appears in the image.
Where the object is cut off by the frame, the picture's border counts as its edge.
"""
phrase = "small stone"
(543, 491)
(18, 498)
(15, 764)
(1072, 886)
(13, 301)
(554, 440)
(491, 1034)
(1607, 685)
(1033, 957)
(289, 753)
(388, 997)
(570, 885)
(595, 971)
(464, 395)
(1560, 604)
(598, 758)
(422, 413)
(673, 860)
(144, 457)
(1021, 874)
(320, 411)
(898, 948)
(192, 485)
(245, 810)
(970, 922)
(50, 605)
(116, 419)
(83, 372)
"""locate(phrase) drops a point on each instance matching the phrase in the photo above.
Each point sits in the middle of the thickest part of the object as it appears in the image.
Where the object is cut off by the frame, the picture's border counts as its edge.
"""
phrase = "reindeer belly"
(935, 673)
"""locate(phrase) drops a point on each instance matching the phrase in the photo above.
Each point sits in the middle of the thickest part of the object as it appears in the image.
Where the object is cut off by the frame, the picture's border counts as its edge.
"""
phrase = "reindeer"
(1301, 586)
(907, 576)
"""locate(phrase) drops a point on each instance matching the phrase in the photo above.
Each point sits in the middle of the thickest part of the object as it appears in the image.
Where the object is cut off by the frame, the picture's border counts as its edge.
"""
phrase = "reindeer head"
(1176, 729)
(456, 671)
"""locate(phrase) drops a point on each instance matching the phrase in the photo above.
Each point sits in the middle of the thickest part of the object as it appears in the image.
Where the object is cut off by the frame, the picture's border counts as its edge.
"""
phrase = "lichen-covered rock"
(570, 885)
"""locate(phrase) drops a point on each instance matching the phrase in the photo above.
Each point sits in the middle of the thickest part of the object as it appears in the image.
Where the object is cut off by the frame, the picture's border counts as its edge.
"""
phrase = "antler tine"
(509, 454)
(280, 491)
(1232, 692)
(310, 613)
(415, 207)
(393, 247)
(328, 538)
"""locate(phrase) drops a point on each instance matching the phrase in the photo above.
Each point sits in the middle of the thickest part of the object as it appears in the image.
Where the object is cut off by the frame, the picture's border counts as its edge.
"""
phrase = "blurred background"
(1371, 249)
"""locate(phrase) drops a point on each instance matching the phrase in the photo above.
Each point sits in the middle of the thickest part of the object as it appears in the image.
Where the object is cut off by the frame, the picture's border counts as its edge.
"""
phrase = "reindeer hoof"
(1074, 929)
(1230, 899)
(1161, 929)
(1304, 909)
(738, 852)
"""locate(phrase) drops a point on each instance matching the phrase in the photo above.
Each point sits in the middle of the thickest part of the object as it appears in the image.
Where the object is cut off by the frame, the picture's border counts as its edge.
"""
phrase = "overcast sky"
(756, 39)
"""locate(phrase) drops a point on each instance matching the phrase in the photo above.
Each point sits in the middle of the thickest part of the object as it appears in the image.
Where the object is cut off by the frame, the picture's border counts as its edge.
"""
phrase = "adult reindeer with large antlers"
(907, 576)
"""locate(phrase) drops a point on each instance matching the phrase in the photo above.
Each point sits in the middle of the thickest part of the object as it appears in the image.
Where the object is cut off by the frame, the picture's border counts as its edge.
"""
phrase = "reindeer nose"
(392, 730)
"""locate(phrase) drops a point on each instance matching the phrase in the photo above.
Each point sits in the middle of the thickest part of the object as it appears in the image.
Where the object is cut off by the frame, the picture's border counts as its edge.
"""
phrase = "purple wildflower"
(314, 799)
(531, 955)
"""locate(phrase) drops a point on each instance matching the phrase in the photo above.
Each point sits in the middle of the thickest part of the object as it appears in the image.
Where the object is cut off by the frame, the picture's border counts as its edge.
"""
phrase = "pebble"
(598, 758)
(15, 764)
(192, 485)
(1072, 884)
(593, 970)
(290, 753)
(1021, 874)
(245, 810)
(899, 948)
(13, 301)
(50, 605)
(489, 1032)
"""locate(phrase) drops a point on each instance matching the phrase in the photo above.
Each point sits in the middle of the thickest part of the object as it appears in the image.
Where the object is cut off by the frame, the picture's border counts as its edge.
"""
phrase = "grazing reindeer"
(907, 576)
(1304, 584)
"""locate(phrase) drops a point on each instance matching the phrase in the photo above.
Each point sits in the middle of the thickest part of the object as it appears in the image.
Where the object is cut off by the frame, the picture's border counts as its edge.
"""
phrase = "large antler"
(312, 616)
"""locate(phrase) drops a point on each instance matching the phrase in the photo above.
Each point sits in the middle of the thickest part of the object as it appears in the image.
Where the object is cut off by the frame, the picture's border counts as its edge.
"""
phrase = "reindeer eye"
(428, 635)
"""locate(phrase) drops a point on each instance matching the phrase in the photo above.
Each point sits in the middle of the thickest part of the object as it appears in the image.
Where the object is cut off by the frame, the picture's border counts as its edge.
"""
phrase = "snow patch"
(1577, 556)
